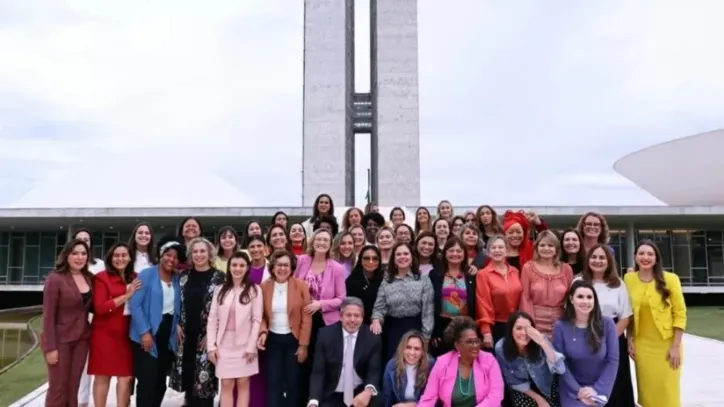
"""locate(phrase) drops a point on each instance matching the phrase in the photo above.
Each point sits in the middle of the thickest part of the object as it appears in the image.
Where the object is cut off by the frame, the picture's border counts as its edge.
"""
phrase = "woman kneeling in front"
(529, 363)
(464, 377)
(589, 342)
(406, 374)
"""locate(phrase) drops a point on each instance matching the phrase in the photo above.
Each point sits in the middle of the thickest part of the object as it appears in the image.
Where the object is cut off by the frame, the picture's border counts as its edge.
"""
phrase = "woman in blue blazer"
(406, 374)
(155, 311)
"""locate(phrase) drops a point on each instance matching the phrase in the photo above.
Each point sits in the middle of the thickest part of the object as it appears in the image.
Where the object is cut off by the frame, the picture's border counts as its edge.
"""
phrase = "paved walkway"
(701, 383)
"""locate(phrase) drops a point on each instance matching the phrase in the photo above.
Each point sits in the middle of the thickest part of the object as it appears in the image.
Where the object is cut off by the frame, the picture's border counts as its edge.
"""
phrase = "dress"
(109, 330)
(231, 363)
(652, 369)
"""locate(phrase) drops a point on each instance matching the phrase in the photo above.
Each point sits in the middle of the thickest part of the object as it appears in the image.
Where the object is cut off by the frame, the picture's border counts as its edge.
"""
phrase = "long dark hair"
(392, 266)
(581, 255)
(594, 328)
(247, 236)
(180, 228)
(126, 275)
(62, 266)
(610, 276)
(658, 270)
(133, 246)
(315, 209)
(434, 258)
(221, 233)
(510, 348)
(358, 269)
(246, 285)
(451, 242)
(417, 223)
(288, 246)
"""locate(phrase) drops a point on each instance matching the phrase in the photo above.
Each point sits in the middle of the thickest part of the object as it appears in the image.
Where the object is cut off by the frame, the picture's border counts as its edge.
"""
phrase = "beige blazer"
(248, 320)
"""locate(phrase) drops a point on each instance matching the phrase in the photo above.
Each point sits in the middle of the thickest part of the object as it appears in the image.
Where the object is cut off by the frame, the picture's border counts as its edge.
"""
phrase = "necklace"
(460, 383)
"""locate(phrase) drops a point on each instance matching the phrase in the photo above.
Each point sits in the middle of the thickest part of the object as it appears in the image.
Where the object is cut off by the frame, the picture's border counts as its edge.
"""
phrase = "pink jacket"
(333, 287)
(488, 381)
(247, 321)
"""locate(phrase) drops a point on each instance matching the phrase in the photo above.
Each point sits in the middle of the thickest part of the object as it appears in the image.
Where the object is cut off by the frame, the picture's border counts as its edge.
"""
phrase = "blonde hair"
(209, 248)
(423, 366)
(548, 236)
(385, 229)
(335, 247)
(310, 245)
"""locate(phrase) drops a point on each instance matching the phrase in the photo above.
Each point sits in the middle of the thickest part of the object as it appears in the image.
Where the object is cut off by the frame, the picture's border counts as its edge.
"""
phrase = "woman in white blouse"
(601, 270)
(285, 329)
(141, 244)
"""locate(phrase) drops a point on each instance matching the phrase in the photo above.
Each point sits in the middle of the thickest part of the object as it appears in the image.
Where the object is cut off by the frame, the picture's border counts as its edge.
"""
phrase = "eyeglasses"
(472, 342)
(283, 265)
(370, 258)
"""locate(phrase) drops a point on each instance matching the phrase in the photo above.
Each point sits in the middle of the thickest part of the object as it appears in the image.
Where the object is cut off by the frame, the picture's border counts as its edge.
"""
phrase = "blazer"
(665, 316)
(65, 316)
(108, 317)
(329, 355)
(297, 298)
(441, 321)
(394, 394)
(333, 287)
(147, 307)
(247, 320)
(488, 381)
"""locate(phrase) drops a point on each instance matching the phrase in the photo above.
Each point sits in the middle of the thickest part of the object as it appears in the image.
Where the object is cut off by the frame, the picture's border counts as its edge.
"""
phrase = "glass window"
(47, 251)
(698, 251)
(17, 251)
(699, 276)
(32, 238)
(714, 238)
(15, 275)
(3, 263)
(32, 262)
(680, 237)
(715, 256)
(4, 238)
(682, 261)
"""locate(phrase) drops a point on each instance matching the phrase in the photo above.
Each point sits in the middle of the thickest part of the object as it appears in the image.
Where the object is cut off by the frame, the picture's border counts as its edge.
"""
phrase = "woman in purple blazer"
(325, 279)
(589, 342)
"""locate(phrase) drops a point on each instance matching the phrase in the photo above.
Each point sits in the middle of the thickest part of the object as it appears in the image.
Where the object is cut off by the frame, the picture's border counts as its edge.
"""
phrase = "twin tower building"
(334, 112)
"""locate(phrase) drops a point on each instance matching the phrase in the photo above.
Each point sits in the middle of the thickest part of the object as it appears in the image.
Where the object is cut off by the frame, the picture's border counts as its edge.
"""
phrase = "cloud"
(521, 104)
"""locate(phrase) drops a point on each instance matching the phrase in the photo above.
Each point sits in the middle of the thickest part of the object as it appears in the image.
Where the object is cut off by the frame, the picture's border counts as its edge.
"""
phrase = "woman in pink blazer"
(325, 279)
(233, 330)
(465, 376)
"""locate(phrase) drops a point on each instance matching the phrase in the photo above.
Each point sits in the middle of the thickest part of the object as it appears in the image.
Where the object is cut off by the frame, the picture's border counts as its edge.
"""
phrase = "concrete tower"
(334, 112)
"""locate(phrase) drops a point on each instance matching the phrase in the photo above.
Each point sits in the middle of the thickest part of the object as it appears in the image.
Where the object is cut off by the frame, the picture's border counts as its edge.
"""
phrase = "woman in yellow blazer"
(654, 336)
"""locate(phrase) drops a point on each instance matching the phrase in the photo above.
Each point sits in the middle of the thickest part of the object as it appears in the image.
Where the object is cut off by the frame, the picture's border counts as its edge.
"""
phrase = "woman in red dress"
(110, 346)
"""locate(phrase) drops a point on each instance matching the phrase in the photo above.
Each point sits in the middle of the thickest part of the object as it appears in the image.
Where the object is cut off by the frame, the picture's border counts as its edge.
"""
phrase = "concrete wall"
(395, 98)
(328, 73)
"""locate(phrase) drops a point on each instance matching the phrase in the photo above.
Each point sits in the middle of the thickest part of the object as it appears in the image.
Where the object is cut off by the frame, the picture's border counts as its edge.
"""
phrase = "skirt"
(393, 331)
(622, 394)
(518, 399)
(231, 363)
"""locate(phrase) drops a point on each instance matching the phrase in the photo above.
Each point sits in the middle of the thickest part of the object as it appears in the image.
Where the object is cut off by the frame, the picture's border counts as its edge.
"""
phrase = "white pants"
(85, 385)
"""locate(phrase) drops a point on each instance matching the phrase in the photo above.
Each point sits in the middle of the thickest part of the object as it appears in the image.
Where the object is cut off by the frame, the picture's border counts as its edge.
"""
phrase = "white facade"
(686, 171)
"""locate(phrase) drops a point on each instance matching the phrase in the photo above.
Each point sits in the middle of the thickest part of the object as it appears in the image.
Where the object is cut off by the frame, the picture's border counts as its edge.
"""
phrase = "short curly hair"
(456, 327)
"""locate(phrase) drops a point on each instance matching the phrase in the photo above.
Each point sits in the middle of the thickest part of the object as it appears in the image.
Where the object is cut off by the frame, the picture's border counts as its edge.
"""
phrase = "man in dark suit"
(347, 362)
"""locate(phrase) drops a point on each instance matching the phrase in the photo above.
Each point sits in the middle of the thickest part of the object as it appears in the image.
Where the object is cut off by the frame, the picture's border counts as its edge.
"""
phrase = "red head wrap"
(525, 250)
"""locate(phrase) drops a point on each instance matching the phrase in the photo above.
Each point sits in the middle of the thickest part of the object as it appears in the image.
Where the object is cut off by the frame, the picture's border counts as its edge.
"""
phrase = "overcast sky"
(522, 102)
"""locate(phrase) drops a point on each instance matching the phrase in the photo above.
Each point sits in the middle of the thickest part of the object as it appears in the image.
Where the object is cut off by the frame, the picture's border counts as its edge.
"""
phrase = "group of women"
(239, 318)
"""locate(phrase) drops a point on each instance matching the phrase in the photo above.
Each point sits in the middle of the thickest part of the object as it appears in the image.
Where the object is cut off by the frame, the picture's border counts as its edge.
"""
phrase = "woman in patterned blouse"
(404, 300)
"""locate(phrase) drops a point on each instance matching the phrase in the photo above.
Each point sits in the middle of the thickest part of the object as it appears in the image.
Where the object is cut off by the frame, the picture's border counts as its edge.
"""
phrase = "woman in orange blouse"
(545, 281)
(498, 293)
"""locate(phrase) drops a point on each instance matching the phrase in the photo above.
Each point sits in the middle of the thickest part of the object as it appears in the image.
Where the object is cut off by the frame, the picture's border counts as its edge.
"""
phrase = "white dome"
(123, 185)
(685, 172)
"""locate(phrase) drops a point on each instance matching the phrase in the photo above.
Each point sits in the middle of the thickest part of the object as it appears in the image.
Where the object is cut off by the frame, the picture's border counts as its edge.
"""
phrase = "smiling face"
(583, 300)
(469, 344)
(281, 219)
(296, 234)
(277, 237)
(598, 262)
(571, 243)
(324, 204)
(322, 241)
(228, 242)
(426, 247)
(346, 246)
(442, 229)
(470, 237)
(457, 226)
(514, 235)
(78, 258)
(191, 229)
(646, 257)
(402, 258)
(121, 258)
(370, 260)
(547, 248)
(520, 334)
(169, 260)
(403, 235)
(358, 235)
(454, 255)
(238, 267)
(592, 226)
(355, 217)
(143, 237)
(445, 209)
(422, 216)
(256, 250)
(282, 269)
(413, 351)
(200, 255)
(497, 250)
(385, 239)
(254, 229)
(352, 318)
